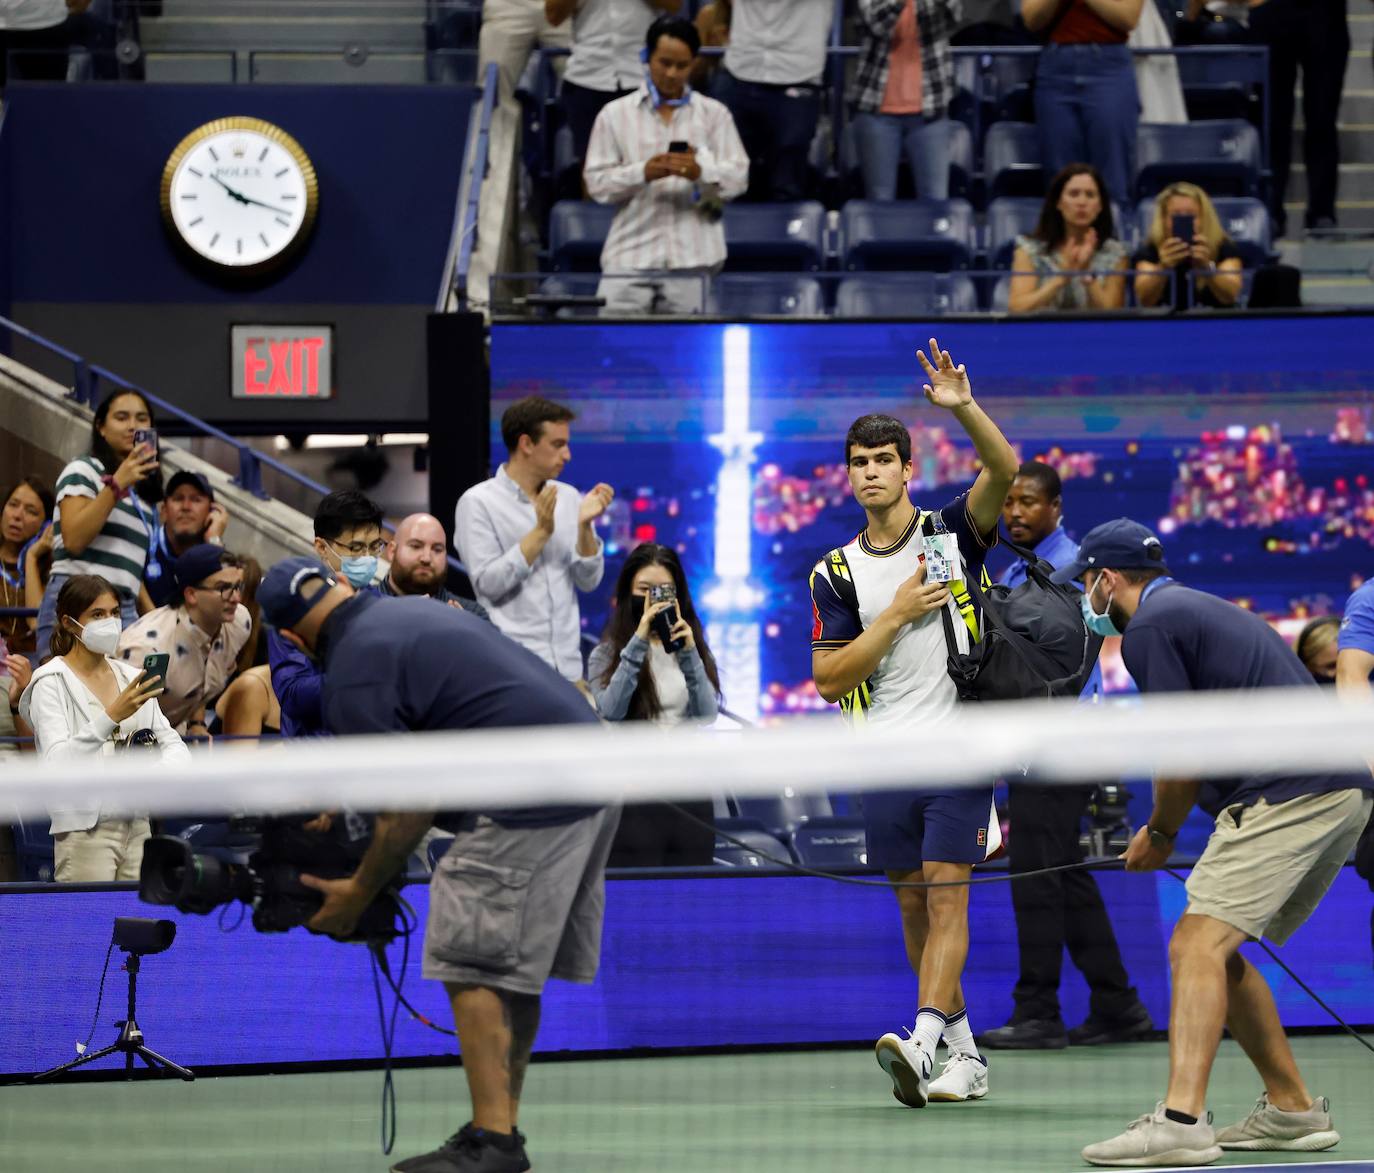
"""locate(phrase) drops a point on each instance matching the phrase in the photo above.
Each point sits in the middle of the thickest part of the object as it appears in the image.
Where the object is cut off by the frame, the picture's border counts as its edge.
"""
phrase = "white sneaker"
(908, 1066)
(1157, 1140)
(1269, 1129)
(965, 1077)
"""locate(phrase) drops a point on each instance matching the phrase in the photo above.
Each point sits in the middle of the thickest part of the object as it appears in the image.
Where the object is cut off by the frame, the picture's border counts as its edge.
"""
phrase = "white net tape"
(1190, 736)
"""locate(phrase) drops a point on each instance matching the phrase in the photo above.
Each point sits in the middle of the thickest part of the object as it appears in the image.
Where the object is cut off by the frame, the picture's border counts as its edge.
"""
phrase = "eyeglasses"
(358, 549)
(226, 589)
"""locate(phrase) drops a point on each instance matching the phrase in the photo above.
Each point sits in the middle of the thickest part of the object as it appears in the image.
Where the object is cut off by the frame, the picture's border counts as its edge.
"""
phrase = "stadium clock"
(240, 195)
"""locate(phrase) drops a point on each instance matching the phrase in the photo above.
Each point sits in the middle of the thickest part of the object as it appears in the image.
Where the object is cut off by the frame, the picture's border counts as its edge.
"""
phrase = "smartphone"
(679, 147)
(146, 436)
(664, 621)
(1183, 228)
(156, 665)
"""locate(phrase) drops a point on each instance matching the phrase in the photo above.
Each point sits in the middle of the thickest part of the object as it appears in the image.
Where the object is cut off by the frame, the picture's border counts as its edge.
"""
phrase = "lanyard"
(18, 582)
(654, 96)
(1145, 594)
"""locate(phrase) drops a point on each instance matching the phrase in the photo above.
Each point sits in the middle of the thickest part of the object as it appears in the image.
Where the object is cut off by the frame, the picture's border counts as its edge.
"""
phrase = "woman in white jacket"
(84, 704)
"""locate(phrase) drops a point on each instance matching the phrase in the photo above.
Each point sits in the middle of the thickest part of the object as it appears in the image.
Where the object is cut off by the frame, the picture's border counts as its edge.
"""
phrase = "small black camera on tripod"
(138, 936)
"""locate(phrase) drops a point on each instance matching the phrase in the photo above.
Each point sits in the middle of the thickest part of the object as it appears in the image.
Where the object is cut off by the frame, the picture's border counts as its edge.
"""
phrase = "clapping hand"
(595, 503)
(1078, 255)
(544, 506)
(949, 386)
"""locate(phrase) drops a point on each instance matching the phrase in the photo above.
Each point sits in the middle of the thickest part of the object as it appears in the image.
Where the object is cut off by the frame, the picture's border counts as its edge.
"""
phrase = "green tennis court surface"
(812, 1112)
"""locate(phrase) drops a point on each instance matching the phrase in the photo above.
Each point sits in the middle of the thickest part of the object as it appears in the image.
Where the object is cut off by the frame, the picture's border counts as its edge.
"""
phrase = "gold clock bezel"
(271, 132)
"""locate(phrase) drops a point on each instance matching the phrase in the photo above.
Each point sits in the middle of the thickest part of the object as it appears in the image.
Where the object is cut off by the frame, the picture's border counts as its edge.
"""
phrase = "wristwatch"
(113, 485)
(1161, 838)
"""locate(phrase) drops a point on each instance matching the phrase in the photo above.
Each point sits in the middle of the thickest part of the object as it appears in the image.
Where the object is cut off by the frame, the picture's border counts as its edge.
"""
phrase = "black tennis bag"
(1034, 641)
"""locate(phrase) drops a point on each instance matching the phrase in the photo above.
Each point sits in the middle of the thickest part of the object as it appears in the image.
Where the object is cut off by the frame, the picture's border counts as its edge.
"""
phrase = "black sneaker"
(1096, 1031)
(1031, 1034)
(470, 1150)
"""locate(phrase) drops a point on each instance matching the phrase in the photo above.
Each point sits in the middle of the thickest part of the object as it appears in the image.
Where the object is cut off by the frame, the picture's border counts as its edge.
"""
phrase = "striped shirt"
(119, 551)
(659, 225)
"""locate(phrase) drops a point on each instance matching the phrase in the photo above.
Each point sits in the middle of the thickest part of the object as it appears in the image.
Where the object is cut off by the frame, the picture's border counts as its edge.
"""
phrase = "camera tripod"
(130, 1041)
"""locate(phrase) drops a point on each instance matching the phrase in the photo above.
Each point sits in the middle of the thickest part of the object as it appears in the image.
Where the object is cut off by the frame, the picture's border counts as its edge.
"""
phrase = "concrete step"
(411, 10)
(285, 68)
(302, 32)
(1352, 215)
(1361, 33)
(1356, 182)
(1356, 143)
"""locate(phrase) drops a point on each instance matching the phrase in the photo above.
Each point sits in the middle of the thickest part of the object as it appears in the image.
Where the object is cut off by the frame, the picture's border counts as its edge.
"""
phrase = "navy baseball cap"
(1122, 544)
(282, 594)
(187, 477)
(196, 565)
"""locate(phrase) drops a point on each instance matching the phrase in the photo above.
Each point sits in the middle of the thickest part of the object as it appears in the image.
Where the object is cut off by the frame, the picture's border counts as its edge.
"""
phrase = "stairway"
(321, 42)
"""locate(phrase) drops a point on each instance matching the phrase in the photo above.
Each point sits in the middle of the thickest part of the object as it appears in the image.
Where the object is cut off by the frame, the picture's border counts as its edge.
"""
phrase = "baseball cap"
(282, 594)
(186, 477)
(1122, 544)
(196, 565)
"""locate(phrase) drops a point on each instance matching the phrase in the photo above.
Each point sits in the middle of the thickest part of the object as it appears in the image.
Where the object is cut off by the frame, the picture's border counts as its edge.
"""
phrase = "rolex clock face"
(240, 194)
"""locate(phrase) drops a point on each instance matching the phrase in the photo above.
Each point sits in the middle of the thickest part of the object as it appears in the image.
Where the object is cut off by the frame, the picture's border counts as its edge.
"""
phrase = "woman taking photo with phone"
(107, 509)
(85, 704)
(634, 677)
(1186, 239)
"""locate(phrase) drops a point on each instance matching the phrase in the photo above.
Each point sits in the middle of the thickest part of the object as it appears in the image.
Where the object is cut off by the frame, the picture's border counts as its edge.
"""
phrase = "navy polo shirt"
(1182, 640)
(399, 665)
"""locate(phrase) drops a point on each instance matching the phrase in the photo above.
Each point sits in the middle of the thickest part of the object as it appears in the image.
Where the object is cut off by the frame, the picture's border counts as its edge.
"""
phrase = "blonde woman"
(1209, 255)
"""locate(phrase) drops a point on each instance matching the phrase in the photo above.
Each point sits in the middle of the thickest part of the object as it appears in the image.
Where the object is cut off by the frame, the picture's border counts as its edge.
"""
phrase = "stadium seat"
(905, 295)
(577, 230)
(1218, 86)
(831, 843)
(1008, 218)
(1221, 156)
(935, 235)
(960, 160)
(998, 302)
(33, 851)
(1011, 160)
(759, 845)
(1245, 219)
(438, 848)
(783, 814)
(774, 238)
(1009, 80)
(961, 165)
(751, 295)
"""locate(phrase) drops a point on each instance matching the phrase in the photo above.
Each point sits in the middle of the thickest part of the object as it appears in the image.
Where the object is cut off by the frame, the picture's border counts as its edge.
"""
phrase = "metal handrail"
(477, 174)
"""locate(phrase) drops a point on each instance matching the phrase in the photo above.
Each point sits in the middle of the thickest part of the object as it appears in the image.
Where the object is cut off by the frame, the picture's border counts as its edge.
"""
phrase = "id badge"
(942, 557)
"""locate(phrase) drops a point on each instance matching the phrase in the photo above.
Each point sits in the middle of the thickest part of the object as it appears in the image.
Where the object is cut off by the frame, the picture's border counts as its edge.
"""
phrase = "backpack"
(1033, 640)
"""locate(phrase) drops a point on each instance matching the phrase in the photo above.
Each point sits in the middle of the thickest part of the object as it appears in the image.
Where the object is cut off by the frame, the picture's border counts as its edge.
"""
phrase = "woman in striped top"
(107, 510)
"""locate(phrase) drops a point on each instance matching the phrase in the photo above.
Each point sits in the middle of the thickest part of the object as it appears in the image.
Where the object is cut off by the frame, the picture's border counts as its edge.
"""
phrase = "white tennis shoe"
(1271, 1130)
(965, 1077)
(908, 1066)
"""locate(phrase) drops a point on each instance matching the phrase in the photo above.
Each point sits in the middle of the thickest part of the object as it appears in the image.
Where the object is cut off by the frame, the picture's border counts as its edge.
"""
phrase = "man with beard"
(418, 553)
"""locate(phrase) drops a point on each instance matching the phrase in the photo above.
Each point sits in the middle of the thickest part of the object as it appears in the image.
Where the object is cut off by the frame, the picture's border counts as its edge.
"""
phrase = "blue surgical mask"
(359, 570)
(1098, 624)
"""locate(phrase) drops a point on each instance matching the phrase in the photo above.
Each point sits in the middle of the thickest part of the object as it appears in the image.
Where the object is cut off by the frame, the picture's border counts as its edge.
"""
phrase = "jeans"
(881, 138)
(47, 613)
(776, 125)
(1087, 108)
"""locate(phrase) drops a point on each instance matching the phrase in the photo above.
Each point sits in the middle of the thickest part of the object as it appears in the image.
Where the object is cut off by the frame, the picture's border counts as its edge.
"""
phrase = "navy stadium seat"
(782, 814)
(1220, 85)
(1011, 160)
(758, 845)
(753, 295)
(438, 848)
(577, 230)
(831, 843)
(1008, 218)
(1001, 295)
(936, 235)
(1009, 80)
(1245, 219)
(774, 238)
(905, 295)
(1222, 156)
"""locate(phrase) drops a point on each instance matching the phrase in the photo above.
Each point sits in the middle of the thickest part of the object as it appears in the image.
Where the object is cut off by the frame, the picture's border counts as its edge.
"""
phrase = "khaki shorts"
(512, 906)
(1266, 868)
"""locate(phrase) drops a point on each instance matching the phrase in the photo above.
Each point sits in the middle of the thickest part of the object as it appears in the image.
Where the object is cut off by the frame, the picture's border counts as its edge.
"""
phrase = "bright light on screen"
(1246, 443)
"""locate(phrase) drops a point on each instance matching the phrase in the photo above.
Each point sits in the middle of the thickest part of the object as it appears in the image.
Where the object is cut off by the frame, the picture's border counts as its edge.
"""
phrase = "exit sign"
(281, 362)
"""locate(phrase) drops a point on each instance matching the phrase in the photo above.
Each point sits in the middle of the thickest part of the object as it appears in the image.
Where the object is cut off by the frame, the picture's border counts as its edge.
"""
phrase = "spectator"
(1311, 35)
(190, 515)
(41, 34)
(15, 673)
(254, 654)
(1073, 260)
(530, 541)
(634, 677)
(771, 80)
(348, 539)
(669, 158)
(1086, 102)
(418, 553)
(713, 26)
(1355, 654)
(81, 704)
(249, 707)
(105, 516)
(511, 31)
(203, 632)
(1317, 646)
(607, 38)
(1210, 258)
(25, 540)
(901, 94)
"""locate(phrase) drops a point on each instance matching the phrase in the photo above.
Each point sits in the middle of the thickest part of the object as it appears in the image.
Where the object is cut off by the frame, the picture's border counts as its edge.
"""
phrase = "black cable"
(99, 998)
(407, 929)
(377, 958)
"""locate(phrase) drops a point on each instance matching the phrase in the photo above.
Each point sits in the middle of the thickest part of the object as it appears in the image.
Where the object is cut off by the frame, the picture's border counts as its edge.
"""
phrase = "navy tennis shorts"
(908, 827)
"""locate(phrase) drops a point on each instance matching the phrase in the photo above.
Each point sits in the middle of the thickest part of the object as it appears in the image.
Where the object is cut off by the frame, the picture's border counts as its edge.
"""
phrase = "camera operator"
(85, 703)
(405, 665)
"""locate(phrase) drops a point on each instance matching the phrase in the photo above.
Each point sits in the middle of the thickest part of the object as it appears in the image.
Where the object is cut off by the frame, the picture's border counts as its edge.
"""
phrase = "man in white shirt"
(670, 158)
(773, 70)
(529, 541)
(41, 31)
(607, 36)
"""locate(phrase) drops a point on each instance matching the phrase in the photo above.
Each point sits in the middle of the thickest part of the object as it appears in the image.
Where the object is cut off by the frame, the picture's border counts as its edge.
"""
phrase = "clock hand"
(269, 207)
(241, 198)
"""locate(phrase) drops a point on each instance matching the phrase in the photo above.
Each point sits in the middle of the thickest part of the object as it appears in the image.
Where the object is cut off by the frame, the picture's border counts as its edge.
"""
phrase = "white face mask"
(101, 636)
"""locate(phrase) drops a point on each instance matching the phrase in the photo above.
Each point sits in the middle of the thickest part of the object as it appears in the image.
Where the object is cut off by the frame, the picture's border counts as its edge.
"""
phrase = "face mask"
(359, 571)
(1098, 624)
(637, 607)
(101, 636)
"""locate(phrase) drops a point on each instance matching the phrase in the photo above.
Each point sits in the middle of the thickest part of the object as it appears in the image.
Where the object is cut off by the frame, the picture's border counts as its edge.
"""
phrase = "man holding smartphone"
(669, 158)
(879, 649)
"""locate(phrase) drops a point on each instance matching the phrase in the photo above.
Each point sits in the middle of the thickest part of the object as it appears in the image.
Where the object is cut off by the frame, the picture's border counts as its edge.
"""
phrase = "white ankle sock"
(930, 1025)
(959, 1035)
